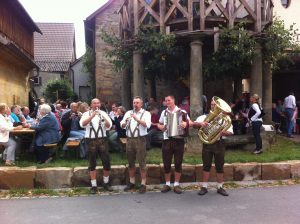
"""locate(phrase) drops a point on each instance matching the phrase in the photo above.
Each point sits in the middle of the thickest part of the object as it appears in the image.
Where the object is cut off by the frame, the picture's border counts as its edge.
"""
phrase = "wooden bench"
(74, 144)
(52, 147)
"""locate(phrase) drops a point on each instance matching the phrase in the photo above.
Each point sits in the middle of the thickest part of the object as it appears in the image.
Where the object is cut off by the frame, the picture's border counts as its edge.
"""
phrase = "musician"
(136, 122)
(97, 122)
(210, 151)
(172, 146)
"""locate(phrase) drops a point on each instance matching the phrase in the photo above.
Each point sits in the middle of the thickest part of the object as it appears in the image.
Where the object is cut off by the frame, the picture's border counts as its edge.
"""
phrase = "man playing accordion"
(174, 123)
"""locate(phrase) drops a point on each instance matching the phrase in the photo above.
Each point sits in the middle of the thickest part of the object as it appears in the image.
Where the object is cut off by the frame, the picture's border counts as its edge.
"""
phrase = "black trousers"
(42, 154)
(256, 125)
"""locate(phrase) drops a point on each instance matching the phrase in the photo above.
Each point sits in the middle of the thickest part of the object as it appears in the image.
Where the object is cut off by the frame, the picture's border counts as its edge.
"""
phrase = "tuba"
(217, 122)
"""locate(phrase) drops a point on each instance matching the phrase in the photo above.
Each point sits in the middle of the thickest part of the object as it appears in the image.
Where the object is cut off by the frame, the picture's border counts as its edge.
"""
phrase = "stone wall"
(108, 82)
(61, 177)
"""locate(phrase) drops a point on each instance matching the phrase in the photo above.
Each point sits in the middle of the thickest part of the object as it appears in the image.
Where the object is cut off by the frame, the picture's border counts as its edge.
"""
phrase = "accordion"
(173, 121)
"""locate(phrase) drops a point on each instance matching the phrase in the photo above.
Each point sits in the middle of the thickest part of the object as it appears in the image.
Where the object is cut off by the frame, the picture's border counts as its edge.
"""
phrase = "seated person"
(7, 141)
(25, 111)
(71, 128)
(47, 132)
(114, 137)
(153, 130)
(15, 115)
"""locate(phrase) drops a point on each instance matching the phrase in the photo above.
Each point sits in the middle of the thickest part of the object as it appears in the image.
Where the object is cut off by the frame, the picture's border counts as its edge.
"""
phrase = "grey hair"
(45, 108)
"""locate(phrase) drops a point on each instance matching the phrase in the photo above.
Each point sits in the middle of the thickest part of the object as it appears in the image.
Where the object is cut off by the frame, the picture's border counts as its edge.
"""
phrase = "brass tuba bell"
(217, 122)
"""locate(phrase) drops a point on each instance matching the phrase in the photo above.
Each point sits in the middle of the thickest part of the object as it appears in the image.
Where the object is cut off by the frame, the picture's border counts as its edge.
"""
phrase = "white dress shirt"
(290, 102)
(132, 124)
(5, 127)
(97, 123)
(163, 118)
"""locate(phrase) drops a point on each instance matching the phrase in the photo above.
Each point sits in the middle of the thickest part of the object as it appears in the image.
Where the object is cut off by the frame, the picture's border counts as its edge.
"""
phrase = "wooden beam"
(230, 8)
(162, 14)
(190, 11)
(249, 10)
(202, 15)
(150, 10)
(136, 16)
(173, 7)
(258, 16)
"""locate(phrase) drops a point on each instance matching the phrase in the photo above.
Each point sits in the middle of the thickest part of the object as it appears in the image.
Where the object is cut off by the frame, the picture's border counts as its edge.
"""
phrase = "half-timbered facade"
(194, 20)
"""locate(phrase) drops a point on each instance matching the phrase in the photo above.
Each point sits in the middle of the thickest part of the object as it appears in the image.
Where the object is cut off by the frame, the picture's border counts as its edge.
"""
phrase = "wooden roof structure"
(193, 16)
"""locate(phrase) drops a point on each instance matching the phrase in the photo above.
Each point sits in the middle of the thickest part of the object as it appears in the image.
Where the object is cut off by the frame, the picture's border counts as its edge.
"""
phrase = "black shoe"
(177, 189)
(222, 191)
(165, 189)
(129, 187)
(142, 189)
(290, 136)
(94, 190)
(107, 187)
(202, 191)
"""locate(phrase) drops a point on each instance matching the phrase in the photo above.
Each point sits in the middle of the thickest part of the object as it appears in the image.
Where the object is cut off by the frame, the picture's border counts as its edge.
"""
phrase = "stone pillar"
(256, 72)
(196, 79)
(126, 89)
(138, 75)
(267, 93)
(196, 90)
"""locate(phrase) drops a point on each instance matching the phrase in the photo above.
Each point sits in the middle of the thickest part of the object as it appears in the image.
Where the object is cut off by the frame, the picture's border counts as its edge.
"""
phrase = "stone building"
(54, 53)
(107, 81)
(16, 52)
(81, 81)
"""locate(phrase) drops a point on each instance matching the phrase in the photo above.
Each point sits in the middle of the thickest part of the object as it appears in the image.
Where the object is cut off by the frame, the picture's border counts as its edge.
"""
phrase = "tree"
(159, 53)
(58, 89)
(234, 57)
(275, 40)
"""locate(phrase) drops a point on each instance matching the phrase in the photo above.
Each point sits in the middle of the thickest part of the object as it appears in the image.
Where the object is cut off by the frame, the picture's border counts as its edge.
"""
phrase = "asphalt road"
(251, 205)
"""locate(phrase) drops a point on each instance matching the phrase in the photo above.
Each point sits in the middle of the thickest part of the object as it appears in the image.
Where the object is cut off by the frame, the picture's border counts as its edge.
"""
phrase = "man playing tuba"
(216, 150)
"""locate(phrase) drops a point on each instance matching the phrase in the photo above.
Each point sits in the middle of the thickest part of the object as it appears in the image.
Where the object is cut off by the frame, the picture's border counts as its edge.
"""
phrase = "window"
(37, 81)
(285, 3)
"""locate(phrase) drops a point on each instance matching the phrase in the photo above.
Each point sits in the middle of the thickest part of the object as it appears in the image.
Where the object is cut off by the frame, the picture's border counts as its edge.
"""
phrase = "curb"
(66, 177)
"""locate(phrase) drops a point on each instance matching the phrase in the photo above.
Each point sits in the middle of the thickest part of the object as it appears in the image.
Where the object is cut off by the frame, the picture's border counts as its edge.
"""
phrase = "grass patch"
(283, 150)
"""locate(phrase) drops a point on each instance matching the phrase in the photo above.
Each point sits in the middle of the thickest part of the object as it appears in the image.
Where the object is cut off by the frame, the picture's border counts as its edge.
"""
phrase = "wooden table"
(23, 131)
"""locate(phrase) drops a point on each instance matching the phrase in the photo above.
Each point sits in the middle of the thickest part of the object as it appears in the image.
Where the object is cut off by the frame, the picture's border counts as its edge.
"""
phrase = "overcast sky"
(69, 11)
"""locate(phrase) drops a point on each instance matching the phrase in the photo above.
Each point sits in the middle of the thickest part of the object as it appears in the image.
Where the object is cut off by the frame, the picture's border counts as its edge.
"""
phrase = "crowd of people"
(99, 131)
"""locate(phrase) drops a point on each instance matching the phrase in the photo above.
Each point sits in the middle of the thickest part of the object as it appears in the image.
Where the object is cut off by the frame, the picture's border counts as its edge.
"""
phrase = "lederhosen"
(173, 146)
(97, 146)
(136, 146)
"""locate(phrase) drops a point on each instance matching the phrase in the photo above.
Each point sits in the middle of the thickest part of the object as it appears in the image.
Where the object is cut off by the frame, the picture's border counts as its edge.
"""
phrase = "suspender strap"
(93, 129)
(136, 128)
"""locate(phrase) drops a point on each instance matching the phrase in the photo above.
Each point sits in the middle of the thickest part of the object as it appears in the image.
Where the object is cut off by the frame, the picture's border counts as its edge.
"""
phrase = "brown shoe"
(202, 191)
(177, 189)
(129, 187)
(165, 189)
(222, 191)
(142, 189)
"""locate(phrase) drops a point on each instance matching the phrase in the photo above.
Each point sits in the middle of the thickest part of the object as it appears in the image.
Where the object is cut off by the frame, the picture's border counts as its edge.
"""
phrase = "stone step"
(65, 177)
